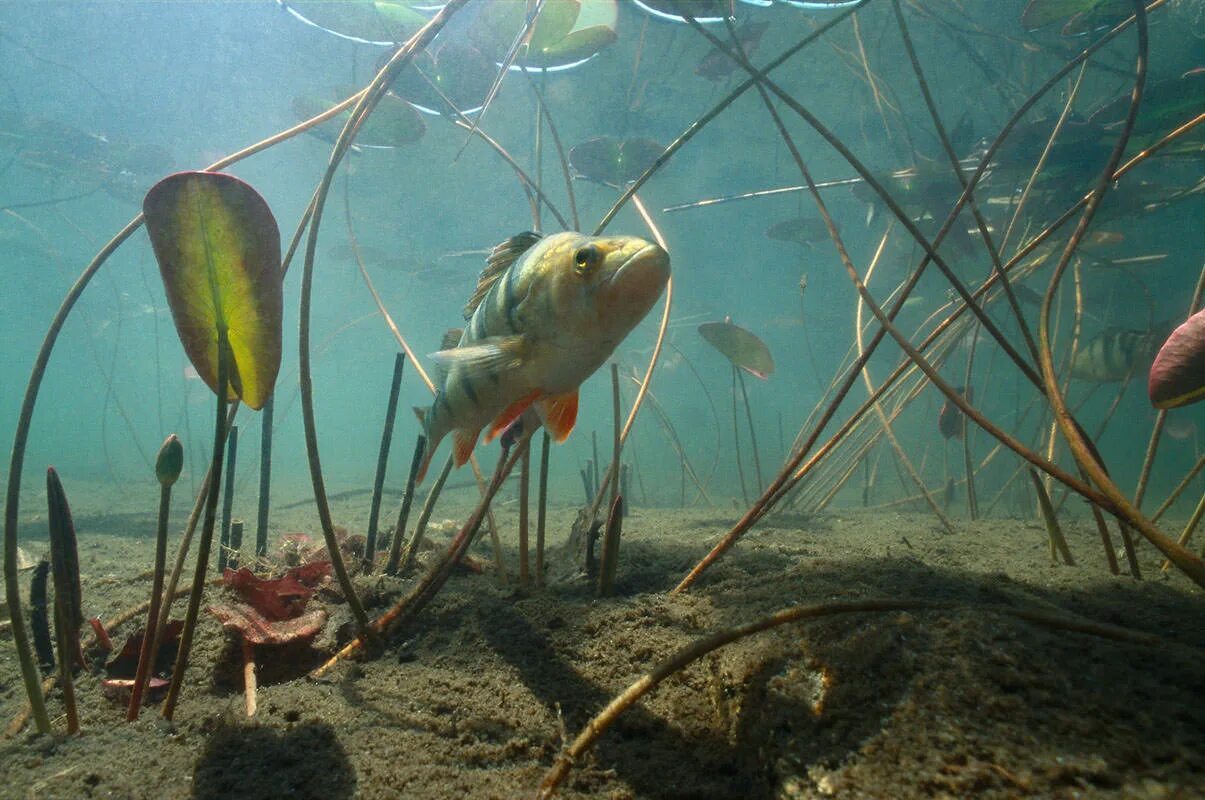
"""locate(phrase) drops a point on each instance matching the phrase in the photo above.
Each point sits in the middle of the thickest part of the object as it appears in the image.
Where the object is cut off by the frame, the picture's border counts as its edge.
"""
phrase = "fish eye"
(585, 258)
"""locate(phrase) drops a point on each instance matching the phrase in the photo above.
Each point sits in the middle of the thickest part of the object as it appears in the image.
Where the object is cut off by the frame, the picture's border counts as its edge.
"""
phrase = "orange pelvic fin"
(511, 413)
(559, 413)
(463, 442)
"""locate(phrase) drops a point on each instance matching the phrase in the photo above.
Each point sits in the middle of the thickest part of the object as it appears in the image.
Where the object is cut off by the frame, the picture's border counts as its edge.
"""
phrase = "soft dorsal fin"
(498, 261)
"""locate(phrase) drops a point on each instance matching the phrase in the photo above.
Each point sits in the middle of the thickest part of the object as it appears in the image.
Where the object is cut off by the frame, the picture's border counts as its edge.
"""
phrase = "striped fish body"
(547, 313)
(1115, 353)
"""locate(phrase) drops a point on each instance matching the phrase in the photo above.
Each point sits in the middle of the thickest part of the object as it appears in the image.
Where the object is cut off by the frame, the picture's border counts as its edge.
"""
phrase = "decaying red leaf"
(258, 629)
(120, 671)
(278, 598)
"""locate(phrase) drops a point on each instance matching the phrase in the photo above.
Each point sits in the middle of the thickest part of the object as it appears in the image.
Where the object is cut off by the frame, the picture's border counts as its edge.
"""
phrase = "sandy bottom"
(475, 699)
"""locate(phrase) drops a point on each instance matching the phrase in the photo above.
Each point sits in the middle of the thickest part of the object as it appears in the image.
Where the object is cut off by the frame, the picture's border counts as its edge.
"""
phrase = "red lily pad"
(258, 629)
(278, 598)
(121, 669)
(1177, 375)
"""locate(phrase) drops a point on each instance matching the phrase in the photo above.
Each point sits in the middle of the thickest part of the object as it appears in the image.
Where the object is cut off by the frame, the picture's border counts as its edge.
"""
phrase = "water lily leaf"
(393, 123)
(1040, 13)
(218, 249)
(608, 160)
(371, 21)
(459, 70)
(555, 42)
(1177, 375)
(800, 230)
(739, 346)
(577, 46)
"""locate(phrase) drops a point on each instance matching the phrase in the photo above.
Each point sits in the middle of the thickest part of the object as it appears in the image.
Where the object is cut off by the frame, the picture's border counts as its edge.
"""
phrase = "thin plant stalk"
(424, 515)
(609, 562)
(524, 496)
(752, 433)
(147, 655)
(265, 477)
(203, 546)
(410, 605)
(67, 598)
(1156, 432)
(29, 672)
(368, 100)
(736, 441)
(599, 724)
(542, 507)
(1058, 544)
(378, 484)
(1180, 487)
(616, 444)
(399, 529)
(1188, 562)
(227, 498)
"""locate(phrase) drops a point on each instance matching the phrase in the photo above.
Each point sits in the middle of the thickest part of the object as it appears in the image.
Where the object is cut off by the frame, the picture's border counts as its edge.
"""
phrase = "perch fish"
(547, 312)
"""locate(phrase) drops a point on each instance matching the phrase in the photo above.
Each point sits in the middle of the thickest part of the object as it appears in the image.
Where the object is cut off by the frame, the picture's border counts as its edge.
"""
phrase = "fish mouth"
(649, 256)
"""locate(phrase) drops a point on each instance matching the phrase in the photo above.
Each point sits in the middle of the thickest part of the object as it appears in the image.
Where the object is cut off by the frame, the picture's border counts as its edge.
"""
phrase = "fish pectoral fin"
(511, 413)
(463, 442)
(489, 356)
(559, 414)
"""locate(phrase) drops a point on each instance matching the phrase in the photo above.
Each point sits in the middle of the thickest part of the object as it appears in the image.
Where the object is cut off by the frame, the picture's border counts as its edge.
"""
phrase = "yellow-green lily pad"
(218, 249)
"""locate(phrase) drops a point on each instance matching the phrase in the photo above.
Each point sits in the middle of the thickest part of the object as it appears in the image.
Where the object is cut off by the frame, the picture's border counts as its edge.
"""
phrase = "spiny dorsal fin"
(451, 338)
(498, 261)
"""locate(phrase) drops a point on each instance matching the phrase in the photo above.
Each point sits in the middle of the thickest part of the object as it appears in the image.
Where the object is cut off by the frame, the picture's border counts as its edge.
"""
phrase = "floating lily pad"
(675, 10)
(382, 22)
(557, 39)
(1177, 375)
(608, 160)
(1165, 105)
(218, 249)
(739, 346)
(393, 123)
(460, 72)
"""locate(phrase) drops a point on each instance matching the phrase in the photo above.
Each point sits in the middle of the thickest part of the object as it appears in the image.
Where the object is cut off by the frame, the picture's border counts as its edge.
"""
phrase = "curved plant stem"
(1188, 562)
(701, 647)
(368, 100)
(29, 674)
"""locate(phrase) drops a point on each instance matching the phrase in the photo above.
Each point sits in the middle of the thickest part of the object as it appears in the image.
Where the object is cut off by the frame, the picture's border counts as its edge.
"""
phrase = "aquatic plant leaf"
(125, 663)
(739, 346)
(374, 21)
(800, 230)
(1177, 375)
(1165, 105)
(218, 249)
(717, 65)
(577, 46)
(258, 629)
(393, 123)
(278, 598)
(461, 73)
(701, 10)
(555, 42)
(608, 160)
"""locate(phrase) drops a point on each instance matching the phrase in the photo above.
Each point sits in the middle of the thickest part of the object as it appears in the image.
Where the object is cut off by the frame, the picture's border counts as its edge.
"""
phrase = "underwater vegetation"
(988, 277)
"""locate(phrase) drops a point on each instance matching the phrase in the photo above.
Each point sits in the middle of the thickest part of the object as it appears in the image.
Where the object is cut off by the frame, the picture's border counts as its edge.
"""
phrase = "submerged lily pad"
(608, 160)
(1177, 375)
(460, 72)
(218, 249)
(717, 64)
(800, 230)
(393, 123)
(739, 346)
(558, 39)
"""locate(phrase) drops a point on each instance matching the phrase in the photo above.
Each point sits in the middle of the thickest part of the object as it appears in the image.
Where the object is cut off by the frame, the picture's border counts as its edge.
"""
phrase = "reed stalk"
(399, 528)
(609, 560)
(265, 477)
(68, 614)
(206, 541)
(542, 507)
(378, 484)
(424, 516)
(227, 499)
(524, 493)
